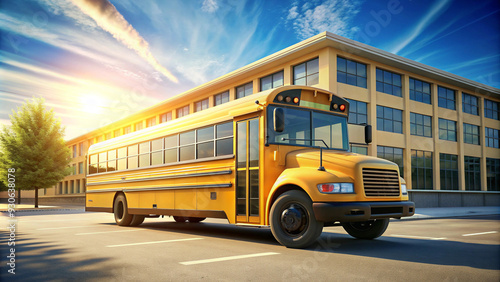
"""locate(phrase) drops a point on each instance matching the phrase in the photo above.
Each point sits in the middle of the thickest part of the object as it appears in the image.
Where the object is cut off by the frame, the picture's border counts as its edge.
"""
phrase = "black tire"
(120, 208)
(137, 220)
(292, 220)
(366, 229)
(196, 219)
(180, 219)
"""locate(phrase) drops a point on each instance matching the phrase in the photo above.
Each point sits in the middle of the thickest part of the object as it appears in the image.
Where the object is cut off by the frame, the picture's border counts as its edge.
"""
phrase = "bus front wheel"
(122, 217)
(366, 229)
(292, 220)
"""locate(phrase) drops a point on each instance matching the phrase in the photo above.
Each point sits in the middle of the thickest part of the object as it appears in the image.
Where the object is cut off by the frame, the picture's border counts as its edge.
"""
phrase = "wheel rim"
(119, 212)
(363, 226)
(294, 221)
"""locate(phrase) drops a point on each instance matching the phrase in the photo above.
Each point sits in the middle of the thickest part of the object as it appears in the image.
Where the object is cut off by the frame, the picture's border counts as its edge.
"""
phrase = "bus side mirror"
(368, 134)
(279, 119)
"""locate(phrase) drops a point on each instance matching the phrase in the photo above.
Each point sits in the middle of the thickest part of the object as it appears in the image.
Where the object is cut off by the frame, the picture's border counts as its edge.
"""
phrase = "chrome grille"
(380, 182)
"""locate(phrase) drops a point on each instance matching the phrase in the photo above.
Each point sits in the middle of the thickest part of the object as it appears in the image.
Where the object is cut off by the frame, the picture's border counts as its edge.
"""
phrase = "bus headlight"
(403, 189)
(336, 188)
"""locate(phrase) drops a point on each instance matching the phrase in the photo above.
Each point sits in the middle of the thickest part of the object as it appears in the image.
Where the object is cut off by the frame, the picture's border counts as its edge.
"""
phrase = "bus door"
(247, 171)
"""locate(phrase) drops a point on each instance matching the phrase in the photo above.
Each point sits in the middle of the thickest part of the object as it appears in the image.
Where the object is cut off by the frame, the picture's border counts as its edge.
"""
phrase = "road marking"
(482, 233)
(227, 258)
(154, 242)
(53, 228)
(416, 237)
(102, 232)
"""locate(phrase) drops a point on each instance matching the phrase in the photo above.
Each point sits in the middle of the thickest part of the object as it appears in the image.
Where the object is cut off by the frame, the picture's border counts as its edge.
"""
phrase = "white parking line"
(416, 237)
(481, 233)
(154, 242)
(53, 228)
(227, 258)
(103, 232)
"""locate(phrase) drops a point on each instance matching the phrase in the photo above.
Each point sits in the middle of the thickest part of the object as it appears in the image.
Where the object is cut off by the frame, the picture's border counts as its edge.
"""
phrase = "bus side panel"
(165, 199)
(147, 199)
(100, 201)
(185, 199)
(216, 199)
(132, 199)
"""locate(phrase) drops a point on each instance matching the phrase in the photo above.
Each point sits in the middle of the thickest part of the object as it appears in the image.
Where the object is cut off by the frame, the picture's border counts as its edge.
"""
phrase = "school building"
(442, 130)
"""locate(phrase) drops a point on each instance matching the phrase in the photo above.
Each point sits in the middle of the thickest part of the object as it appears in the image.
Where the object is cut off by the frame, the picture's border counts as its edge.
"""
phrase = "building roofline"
(317, 42)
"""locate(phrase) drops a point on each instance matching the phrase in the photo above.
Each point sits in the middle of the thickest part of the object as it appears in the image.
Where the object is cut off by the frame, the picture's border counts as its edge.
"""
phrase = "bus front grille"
(381, 182)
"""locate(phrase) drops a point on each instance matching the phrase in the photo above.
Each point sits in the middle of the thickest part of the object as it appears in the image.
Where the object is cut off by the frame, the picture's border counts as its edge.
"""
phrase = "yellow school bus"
(277, 158)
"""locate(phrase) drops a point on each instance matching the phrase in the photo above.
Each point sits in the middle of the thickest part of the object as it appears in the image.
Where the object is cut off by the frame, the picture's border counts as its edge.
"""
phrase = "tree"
(34, 146)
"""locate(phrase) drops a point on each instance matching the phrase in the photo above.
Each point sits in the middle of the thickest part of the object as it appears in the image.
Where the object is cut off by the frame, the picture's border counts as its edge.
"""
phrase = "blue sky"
(97, 61)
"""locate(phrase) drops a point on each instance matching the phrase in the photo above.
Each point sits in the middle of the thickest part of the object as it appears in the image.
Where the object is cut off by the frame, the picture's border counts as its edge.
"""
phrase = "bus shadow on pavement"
(47, 261)
(437, 252)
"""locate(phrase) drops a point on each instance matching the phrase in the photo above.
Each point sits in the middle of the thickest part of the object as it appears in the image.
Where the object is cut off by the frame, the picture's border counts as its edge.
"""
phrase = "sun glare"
(93, 103)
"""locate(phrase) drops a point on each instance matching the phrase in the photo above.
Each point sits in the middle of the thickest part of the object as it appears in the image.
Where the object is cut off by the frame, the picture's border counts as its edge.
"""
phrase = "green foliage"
(34, 146)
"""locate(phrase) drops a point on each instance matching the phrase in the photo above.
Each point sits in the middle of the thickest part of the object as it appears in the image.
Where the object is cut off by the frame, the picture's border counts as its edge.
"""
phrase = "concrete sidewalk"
(421, 213)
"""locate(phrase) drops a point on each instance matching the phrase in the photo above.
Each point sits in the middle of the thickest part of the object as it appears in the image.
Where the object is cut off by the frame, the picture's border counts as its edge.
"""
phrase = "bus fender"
(305, 179)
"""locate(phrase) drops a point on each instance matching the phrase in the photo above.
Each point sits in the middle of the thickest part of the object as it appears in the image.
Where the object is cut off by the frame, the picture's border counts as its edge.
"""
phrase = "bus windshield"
(309, 124)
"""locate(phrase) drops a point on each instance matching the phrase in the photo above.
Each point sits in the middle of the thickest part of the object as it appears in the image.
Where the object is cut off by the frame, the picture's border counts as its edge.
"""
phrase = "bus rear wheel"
(366, 229)
(292, 220)
(120, 208)
(137, 220)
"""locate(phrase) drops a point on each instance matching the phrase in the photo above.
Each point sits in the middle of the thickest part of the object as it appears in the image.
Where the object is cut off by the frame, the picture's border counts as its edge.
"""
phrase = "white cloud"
(434, 12)
(334, 16)
(209, 6)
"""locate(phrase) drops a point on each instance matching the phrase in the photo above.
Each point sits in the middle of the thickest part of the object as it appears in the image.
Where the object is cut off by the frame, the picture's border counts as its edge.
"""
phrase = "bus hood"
(336, 161)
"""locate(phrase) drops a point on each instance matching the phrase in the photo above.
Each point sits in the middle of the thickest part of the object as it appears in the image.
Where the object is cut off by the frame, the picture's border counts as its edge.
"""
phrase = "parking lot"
(77, 245)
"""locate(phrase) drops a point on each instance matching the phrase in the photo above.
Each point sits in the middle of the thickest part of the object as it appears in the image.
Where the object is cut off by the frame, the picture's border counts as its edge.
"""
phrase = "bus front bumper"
(361, 211)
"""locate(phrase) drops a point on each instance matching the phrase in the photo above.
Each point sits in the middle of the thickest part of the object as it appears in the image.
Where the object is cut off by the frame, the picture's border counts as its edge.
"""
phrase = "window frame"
(415, 93)
(449, 172)
(468, 130)
(444, 100)
(247, 90)
(353, 112)
(272, 77)
(343, 71)
(441, 126)
(392, 121)
(310, 76)
(473, 109)
(388, 87)
(492, 137)
(415, 125)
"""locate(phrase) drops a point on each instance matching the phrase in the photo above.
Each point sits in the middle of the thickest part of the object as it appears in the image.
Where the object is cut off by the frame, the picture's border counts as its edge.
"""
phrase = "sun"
(93, 103)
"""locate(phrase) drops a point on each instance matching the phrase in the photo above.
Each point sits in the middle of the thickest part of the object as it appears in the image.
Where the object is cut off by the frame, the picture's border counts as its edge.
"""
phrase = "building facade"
(441, 129)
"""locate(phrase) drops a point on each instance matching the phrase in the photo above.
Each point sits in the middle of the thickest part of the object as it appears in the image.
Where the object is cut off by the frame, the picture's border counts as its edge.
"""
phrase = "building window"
(151, 122)
(491, 137)
(472, 173)
(80, 168)
(493, 174)
(80, 151)
(392, 154)
(420, 91)
(221, 98)
(108, 136)
(138, 126)
(448, 165)
(166, 117)
(117, 132)
(447, 130)
(362, 150)
(470, 104)
(420, 125)
(471, 134)
(74, 151)
(184, 111)
(357, 112)
(389, 119)
(491, 109)
(99, 139)
(421, 170)
(127, 129)
(351, 72)
(201, 105)
(446, 98)
(389, 82)
(244, 90)
(271, 81)
(74, 169)
(306, 73)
